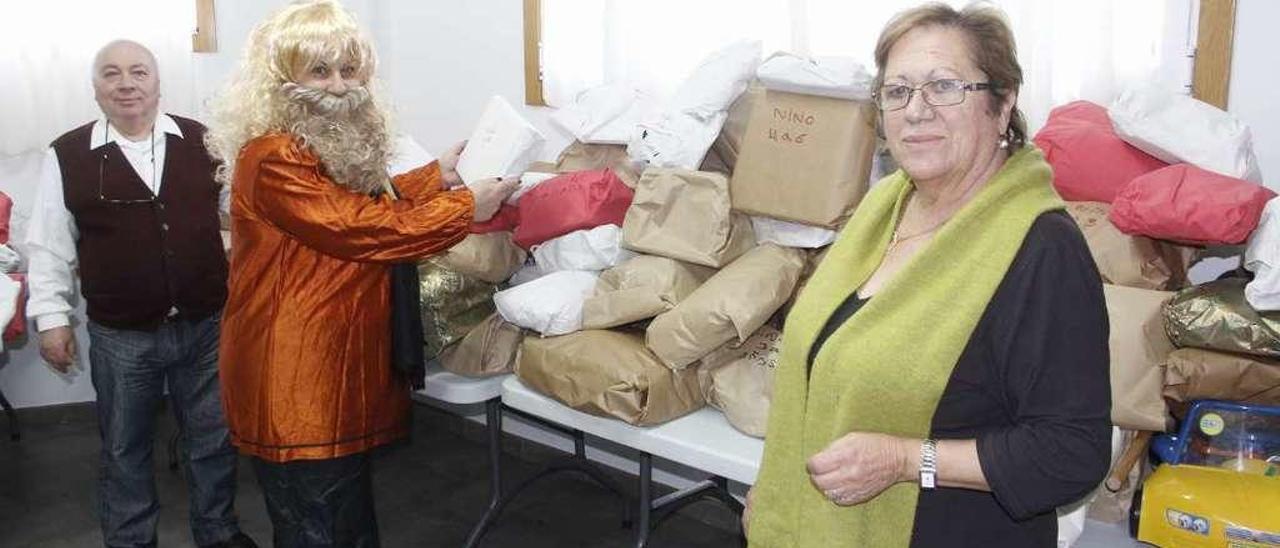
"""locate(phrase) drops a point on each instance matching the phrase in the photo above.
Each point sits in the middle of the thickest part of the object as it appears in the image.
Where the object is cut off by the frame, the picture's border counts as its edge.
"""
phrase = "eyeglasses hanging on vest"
(116, 194)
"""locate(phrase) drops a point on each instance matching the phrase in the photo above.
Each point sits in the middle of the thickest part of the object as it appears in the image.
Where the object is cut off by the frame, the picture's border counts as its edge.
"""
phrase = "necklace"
(898, 238)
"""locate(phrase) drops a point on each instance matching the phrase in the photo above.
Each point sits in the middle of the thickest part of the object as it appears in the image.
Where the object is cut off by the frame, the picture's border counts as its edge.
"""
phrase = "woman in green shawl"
(944, 374)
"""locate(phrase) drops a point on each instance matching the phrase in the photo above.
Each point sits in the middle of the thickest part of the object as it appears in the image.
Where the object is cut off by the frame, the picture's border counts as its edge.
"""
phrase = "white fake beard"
(347, 132)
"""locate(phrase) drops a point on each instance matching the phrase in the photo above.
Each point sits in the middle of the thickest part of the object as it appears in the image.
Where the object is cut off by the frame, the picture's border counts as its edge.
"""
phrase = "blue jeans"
(129, 370)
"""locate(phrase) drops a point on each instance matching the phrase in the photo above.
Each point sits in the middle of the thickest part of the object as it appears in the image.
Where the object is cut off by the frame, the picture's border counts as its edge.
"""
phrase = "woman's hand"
(746, 511)
(449, 165)
(859, 466)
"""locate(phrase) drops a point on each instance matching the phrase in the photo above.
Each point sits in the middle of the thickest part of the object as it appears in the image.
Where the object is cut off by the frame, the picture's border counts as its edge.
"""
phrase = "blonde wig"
(257, 101)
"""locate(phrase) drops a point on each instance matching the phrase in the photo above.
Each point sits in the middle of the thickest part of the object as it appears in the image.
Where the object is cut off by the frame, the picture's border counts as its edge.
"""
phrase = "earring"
(1004, 143)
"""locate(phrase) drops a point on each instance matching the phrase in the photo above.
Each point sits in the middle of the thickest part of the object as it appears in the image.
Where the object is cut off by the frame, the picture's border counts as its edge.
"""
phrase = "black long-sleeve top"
(1032, 386)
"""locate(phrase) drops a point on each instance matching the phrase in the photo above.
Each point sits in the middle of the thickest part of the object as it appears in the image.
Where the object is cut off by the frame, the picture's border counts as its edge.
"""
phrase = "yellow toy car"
(1219, 482)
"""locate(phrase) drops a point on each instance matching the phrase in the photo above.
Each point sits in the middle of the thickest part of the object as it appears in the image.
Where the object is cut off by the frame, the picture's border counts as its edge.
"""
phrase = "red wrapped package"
(1090, 162)
(573, 201)
(17, 326)
(1187, 204)
(6, 209)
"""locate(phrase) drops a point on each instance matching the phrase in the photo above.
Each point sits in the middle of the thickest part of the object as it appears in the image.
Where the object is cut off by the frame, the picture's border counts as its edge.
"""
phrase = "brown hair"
(991, 46)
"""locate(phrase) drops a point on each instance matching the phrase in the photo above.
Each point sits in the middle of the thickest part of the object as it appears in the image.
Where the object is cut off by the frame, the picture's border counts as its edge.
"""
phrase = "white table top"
(452, 388)
(703, 439)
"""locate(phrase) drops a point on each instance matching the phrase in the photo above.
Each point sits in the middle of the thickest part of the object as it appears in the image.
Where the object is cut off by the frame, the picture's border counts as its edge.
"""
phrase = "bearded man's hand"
(489, 195)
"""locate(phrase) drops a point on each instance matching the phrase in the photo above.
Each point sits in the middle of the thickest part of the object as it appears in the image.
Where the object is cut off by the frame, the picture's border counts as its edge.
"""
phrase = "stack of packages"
(1149, 181)
(658, 268)
(461, 328)
(13, 283)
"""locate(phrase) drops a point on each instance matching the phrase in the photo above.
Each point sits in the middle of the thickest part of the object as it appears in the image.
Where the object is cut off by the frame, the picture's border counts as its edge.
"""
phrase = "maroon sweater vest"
(142, 259)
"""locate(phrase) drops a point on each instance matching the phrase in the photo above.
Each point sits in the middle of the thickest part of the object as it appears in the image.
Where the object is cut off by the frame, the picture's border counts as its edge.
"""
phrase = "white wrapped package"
(605, 114)
(408, 156)
(10, 292)
(550, 305)
(11, 261)
(502, 145)
(789, 234)
(717, 81)
(597, 249)
(1262, 257)
(680, 132)
(677, 140)
(528, 180)
(1178, 128)
(527, 273)
(839, 77)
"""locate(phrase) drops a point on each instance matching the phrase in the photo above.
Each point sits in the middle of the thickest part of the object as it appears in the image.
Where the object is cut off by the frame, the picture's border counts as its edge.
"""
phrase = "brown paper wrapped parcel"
(639, 289)
(579, 156)
(1139, 348)
(804, 158)
(686, 215)
(487, 350)
(1194, 374)
(1131, 261)
(738, 380)
(490, 257)
(609, 374)
(730, 306)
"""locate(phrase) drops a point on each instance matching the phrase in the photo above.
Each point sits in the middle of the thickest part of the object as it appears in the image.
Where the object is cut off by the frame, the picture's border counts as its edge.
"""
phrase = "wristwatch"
(928, 464)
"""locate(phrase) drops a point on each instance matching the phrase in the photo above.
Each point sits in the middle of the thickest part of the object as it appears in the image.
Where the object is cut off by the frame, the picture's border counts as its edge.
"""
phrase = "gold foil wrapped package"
(608, 374)
(1216, 316)
(452, 305)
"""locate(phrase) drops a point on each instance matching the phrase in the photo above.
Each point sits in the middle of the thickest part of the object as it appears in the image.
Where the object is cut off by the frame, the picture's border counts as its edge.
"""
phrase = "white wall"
(1254, 79)
(446, 58)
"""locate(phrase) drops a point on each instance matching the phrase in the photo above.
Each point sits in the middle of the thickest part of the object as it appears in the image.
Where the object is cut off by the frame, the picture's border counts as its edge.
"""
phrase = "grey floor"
(428, 493)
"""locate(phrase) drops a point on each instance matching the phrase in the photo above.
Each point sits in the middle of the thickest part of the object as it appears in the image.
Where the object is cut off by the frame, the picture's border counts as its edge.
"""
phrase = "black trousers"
(320, 503)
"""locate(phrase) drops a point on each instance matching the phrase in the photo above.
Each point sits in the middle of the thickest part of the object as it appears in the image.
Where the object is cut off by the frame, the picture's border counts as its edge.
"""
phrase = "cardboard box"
(804, 158)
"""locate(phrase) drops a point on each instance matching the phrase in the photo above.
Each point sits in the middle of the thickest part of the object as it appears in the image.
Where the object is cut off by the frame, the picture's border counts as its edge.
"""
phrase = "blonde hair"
(299, 36)
(991, 47)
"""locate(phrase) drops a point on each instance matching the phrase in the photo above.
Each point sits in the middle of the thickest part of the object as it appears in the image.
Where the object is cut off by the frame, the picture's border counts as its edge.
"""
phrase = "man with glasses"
(130, 200)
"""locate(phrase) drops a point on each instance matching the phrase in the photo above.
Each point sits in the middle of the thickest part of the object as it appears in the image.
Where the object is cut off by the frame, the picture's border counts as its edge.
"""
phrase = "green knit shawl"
(884, 370)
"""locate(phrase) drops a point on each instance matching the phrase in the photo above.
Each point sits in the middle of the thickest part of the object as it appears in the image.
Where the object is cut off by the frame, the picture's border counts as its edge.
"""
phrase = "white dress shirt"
(51, 232)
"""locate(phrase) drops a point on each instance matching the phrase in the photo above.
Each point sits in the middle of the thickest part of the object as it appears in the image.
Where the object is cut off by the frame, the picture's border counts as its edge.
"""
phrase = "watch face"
(926, 480)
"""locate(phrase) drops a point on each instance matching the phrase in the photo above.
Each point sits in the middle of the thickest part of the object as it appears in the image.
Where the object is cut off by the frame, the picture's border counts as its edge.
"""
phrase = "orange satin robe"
(305, 350)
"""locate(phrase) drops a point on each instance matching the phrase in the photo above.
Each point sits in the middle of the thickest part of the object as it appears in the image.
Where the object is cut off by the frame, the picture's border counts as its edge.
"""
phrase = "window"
(1069, 49)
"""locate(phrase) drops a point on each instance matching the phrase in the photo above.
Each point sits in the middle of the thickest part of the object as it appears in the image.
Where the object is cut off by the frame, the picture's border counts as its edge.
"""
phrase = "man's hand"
(489, 195)
(449, 165)
(859, 466)
(58, 347)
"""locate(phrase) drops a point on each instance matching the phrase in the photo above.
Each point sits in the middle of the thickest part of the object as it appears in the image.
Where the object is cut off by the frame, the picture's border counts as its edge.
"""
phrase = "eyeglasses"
(102, 168)
(938, 93)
